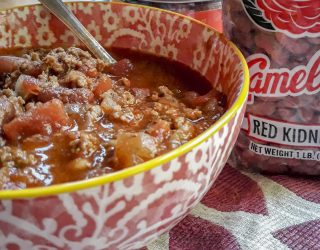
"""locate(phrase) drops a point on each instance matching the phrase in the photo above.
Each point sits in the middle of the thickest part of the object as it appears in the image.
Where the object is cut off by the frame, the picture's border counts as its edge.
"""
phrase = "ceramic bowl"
(129, 208)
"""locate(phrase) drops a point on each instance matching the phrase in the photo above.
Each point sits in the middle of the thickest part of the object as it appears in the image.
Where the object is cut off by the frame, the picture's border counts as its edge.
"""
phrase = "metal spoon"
(61, 11)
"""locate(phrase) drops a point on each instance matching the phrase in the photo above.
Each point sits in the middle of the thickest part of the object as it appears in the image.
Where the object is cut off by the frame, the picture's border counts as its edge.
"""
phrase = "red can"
(207, 11)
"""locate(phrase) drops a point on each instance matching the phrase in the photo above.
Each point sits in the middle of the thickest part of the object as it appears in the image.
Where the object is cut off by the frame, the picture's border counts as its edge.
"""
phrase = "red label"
(269, 82)
(295, 18)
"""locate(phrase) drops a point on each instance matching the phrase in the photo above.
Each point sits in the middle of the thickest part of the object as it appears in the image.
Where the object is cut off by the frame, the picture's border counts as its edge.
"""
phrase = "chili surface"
(66, 116)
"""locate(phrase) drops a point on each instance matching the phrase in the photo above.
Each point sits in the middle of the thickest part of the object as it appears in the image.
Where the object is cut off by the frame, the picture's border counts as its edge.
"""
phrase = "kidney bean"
(305, 114)
(315, 103)
(305, 100)
(246, 40)
(262, 108)
(289, 102)
(268, 43)
(295, 46)
(236, 7)
(314, 40)
(267, 99)
(243, 23)
(250, 157)
(306, 168)
(288, 113)
(288, 54)
(274, 167)
(310, 55)
(243, 140)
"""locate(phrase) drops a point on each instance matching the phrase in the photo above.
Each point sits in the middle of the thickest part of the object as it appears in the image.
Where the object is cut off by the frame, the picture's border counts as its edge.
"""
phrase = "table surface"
(251, 211)
(246, 211)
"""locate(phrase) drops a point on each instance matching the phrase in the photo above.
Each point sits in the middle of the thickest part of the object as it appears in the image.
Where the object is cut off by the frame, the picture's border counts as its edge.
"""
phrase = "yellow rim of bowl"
(122, 174)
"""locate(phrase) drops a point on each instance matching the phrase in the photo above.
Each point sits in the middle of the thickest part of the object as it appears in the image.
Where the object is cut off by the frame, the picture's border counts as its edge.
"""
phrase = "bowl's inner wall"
(137, 28)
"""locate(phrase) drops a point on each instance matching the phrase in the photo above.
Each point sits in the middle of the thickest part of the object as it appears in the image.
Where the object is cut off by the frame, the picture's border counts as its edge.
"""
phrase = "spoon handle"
(61, 11)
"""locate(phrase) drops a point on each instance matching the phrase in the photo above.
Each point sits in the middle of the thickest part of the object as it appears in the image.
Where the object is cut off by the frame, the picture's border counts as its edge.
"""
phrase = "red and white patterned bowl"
(129, 208)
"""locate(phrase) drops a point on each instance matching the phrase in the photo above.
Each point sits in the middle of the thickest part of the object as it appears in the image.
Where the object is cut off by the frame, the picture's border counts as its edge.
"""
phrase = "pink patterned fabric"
(251, 211)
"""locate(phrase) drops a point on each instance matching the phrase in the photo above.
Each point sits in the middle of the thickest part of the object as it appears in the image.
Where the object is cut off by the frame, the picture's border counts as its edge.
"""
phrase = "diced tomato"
(79, 95)
(134, 148)
(9, 64)
(44, 119)
(103, 84)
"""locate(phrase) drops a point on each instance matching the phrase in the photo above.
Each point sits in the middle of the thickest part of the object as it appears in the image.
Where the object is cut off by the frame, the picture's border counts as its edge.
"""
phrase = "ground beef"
(15, 157)
(66, 95)
(48, 81)
(76, 79)
(60, 61)
(119, 105)
(93, 115)
(85, 144)
(10, 107)
(66, 116)
(7, 111)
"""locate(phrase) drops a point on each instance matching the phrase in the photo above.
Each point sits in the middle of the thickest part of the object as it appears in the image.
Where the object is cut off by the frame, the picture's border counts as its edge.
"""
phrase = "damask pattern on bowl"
(128, 209)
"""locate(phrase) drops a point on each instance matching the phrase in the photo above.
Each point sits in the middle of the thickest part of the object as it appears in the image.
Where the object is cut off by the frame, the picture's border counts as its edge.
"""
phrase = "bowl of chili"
(97, 156)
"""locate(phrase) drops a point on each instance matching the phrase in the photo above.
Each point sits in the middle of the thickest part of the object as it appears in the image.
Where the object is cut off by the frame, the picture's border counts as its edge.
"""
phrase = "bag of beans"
(281, 42)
